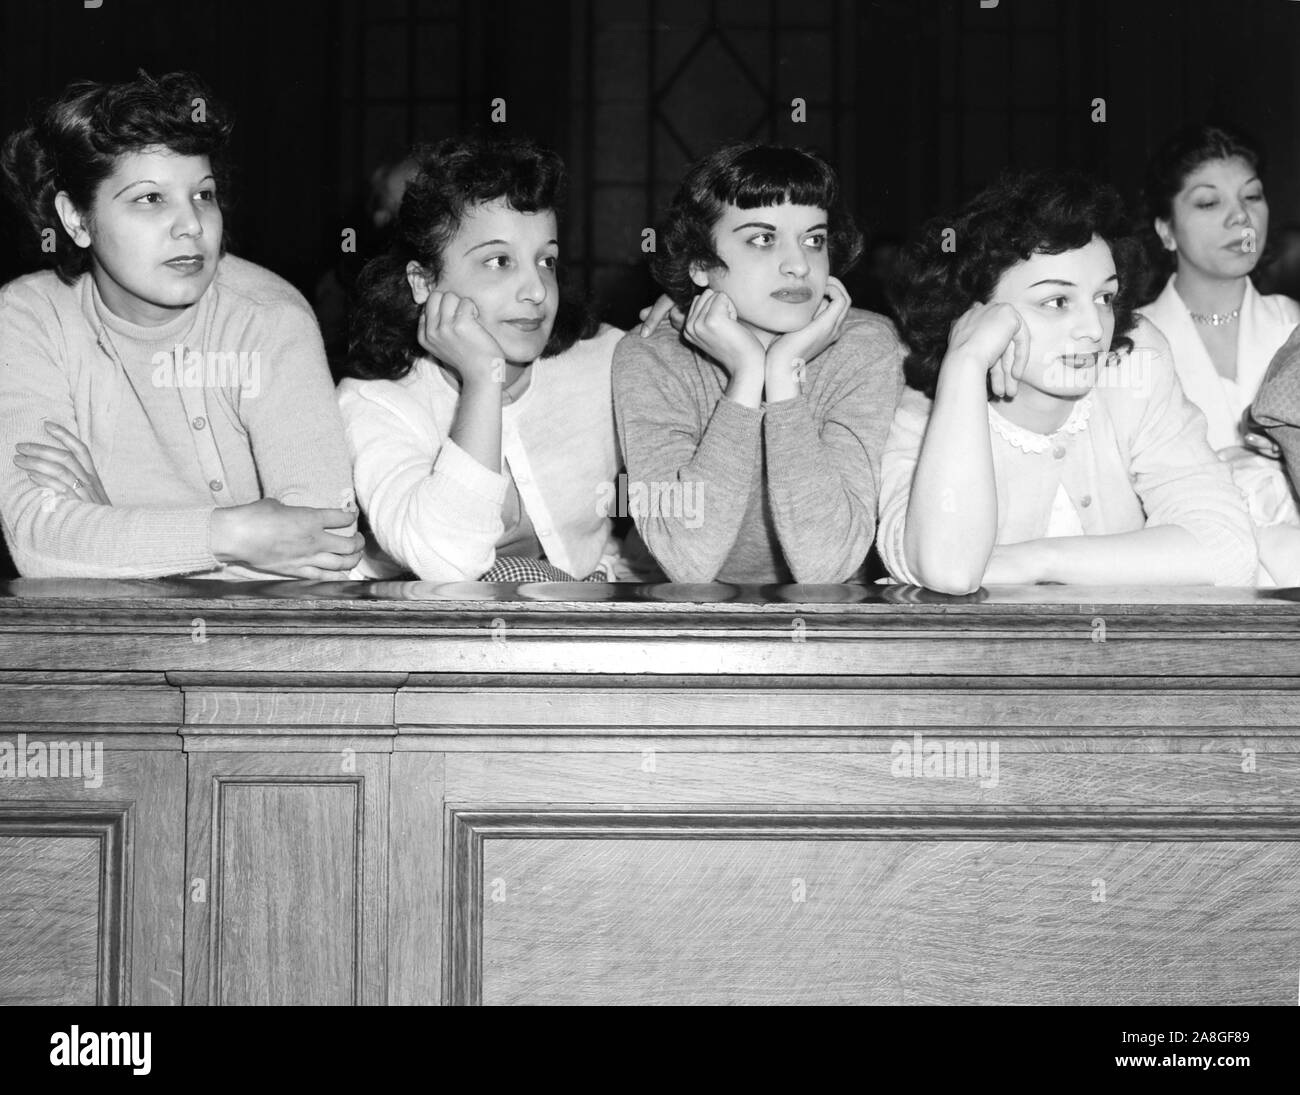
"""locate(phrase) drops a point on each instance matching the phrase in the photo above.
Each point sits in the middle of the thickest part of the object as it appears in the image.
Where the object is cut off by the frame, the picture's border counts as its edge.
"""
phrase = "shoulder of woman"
(259, 287)
(1140, 378)
(414, 397)
(662, 347)
(1164, 301)
(599, 347)
(39, 310)
(1282, 306)
(862, 325)
(39, 293)
(1145, 335)
(419, 384)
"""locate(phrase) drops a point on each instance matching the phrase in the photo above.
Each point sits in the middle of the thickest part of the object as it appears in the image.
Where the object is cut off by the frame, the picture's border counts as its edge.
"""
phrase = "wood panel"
(141, 801)
(649, 772)
(1102, 907)
(288, 900)
(63, 904)
(287, 855)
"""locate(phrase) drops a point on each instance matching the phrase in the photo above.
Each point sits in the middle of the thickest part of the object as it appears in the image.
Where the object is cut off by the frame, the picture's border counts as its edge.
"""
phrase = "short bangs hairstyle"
(1023, 213)
(748, 176)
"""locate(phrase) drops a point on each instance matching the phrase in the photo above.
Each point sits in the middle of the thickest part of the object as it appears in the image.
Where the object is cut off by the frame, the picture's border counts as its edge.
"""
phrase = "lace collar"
(1028, 441)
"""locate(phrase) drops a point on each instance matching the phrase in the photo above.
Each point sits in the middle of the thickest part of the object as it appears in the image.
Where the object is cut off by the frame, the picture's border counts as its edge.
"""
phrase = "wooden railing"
(412, 793)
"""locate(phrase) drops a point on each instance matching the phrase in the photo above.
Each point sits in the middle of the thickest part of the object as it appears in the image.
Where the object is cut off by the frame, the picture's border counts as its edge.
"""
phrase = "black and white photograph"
(652, 502)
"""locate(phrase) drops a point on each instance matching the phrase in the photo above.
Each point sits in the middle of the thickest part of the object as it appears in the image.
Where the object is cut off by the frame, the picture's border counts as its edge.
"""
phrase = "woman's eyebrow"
(489, 243)
(822, 224)
(137, 182)
(1068, 284)
(754, 224)
(154, 182)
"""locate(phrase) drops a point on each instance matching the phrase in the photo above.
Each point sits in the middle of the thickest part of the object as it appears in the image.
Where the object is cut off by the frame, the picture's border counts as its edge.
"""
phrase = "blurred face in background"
(1219, 221)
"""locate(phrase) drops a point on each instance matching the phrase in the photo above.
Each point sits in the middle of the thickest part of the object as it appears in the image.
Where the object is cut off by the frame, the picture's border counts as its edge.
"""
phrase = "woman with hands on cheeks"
(478, 409)
(771, 406)
(1044, 436)
(140, 449)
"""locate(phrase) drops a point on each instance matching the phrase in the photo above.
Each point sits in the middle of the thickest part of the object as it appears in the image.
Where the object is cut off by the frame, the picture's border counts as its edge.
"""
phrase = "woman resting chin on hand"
(1044, 436)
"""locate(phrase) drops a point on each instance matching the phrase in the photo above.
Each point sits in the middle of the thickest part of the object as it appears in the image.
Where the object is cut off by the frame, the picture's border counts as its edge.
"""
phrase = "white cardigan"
(1265, 323)
(436, 510)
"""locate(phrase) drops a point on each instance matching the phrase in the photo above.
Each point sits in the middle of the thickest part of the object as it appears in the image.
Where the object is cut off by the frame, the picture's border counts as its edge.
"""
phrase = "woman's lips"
(1079, 361)
(525, 324)
(186, 264)
(793, 296)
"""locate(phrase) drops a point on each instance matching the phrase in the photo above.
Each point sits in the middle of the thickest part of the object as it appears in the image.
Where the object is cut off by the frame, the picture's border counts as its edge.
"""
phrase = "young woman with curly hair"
(1044, 436)
(772, 404)
(169, 404)
(478, 408)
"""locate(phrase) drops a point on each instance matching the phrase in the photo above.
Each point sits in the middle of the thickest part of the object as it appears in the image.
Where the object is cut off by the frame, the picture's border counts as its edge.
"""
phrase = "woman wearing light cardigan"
(438, 512)
(479, 410)
(166, 408)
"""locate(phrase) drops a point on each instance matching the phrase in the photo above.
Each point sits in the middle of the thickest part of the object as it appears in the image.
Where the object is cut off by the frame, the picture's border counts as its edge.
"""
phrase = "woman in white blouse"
(1207, 206)
(479, 409)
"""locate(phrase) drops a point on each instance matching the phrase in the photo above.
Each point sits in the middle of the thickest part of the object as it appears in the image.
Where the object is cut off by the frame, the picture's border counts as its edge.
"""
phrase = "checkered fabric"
(516, 569)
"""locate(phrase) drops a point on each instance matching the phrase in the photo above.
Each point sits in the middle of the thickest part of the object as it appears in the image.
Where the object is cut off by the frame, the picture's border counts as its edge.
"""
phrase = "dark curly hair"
(1177, 157)
(455, 175)
(748, 176)
(73, 144)
(1023, 213)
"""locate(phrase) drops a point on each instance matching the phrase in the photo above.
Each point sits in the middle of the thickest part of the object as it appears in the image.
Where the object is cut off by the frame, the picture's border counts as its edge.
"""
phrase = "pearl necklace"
(1214, 319)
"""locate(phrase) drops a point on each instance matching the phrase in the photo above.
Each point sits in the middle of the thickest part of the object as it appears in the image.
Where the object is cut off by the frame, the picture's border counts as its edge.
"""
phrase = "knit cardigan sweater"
(228, 403)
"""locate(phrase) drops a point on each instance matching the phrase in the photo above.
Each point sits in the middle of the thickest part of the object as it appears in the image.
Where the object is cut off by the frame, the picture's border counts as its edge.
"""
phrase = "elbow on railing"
(944, 574)
(953, 583)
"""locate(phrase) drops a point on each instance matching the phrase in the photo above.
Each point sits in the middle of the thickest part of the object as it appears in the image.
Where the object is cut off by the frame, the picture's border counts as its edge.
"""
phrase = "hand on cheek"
(450, 330)
(713, 326)
(789, 353)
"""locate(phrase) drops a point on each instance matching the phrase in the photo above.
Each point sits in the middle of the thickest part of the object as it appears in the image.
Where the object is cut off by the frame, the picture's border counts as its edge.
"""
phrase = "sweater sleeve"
(898, 466)
(293, 422)
(658, 426)
(51, 535)
(824, 477)
(1277, 406)
(1175, 473)
(431, 506)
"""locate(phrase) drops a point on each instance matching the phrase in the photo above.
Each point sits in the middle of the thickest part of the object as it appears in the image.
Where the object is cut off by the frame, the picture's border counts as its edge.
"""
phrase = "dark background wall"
(917, 102)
